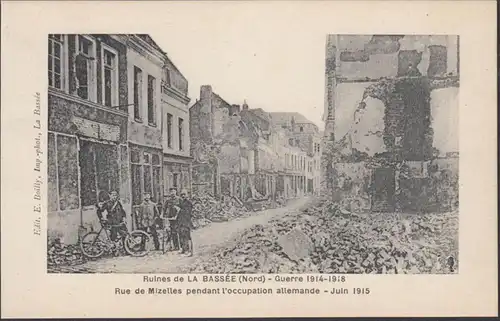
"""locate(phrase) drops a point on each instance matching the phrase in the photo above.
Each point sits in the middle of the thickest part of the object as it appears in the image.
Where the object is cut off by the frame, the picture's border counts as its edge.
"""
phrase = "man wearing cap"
(115, 215)
(171, 209)
(146, 218)
(185, 224)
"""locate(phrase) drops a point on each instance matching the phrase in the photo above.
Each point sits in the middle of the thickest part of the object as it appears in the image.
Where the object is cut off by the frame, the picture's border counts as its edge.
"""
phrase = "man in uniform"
(171, 209)
(185, 224)
(146, 219)
(115, 215)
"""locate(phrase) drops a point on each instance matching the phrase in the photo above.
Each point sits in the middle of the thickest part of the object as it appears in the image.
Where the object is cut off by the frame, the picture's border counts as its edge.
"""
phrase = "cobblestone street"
(206, 240)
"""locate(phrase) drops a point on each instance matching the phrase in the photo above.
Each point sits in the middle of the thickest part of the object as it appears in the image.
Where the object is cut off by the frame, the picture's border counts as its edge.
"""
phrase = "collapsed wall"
(400, 149)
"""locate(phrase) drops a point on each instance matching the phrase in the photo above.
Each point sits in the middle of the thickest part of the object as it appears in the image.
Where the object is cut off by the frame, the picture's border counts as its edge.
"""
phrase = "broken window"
(437, 61)
(56, 58)
(137, 93)
(109, 77)
(151, 100)
(408, 61)
(84, 67)
(99, 171)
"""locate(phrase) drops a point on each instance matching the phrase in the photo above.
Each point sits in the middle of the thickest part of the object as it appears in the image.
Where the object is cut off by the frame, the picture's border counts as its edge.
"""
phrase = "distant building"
(305, 135)
(240, 151)
(391, 106)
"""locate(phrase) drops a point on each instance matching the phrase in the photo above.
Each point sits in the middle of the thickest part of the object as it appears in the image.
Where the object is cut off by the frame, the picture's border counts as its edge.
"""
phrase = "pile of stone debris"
(328, 239)
(207, 209)
(60, 254)
(63, 254)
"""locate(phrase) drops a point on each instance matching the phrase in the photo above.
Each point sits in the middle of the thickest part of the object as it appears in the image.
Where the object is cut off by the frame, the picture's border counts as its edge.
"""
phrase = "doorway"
(384, 188)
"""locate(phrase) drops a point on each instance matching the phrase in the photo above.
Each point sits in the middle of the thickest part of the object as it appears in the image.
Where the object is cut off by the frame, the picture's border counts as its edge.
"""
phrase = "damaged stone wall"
(222, 143)
(396, 107)
(377, 56)
(353, 185)
(409, 139)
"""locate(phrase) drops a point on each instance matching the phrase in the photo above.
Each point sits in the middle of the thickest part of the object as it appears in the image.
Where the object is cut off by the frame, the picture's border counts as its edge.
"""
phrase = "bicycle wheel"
(91, 245)
(137, 243)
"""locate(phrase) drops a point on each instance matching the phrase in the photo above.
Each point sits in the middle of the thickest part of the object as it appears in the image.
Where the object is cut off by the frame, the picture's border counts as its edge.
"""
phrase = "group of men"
(174, 215)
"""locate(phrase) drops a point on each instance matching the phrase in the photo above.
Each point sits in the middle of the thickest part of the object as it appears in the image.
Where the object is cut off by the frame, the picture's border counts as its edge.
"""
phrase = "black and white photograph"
(148, 174)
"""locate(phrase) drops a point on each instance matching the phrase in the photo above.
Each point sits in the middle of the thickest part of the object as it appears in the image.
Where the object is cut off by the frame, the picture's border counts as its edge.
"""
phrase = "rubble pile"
(207, 209)
(336, 241)
(60, 254)
(63, 254)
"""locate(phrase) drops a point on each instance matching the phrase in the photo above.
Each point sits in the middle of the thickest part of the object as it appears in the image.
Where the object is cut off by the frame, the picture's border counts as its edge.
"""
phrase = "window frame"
(170, 124)
(64, 71)
(92, 77)
(152, 123)
(115, 78)
(137, 117)
(137, 164)
(180, 125)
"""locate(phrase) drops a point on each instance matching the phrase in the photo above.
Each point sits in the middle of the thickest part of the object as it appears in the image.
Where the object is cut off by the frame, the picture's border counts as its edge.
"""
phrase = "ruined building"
(391, 108)
(109, 101)
(241, 152)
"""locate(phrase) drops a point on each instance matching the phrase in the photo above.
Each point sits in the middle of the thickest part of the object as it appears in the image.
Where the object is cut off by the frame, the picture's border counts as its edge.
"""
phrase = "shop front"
(86, 154)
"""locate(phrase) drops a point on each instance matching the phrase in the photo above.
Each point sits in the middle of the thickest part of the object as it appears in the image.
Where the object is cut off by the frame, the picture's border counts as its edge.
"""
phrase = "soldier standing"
(115, 215)
(185, 224)
(146, 219)
(171, 209)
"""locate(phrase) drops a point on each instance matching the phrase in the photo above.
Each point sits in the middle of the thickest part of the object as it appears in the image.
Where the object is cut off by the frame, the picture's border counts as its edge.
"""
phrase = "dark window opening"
(137, 93)
(169, 130)
(99, 171)
(181, 134)
(151, 100)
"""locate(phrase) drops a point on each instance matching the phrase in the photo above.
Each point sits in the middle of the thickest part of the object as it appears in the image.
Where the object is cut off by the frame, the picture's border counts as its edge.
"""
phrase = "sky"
(245, 55)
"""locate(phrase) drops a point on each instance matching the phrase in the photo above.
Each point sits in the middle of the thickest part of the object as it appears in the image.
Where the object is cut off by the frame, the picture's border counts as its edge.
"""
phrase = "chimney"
(235, 110)
(206, 99)
(245, 106)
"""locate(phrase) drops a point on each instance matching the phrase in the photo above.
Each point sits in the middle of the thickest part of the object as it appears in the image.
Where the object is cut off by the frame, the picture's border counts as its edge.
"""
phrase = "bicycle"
(93, 245)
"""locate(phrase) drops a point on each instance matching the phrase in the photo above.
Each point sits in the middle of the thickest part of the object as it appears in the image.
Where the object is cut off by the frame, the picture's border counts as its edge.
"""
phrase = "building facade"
(177, 158)
(391, 106)
(242, 152)
(306, 137)
(87, 129)
(223, 147)
(106, 111)
(144, 69)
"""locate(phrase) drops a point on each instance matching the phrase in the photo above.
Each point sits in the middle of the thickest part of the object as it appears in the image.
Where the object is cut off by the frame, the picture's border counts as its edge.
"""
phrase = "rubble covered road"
(206, 240)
